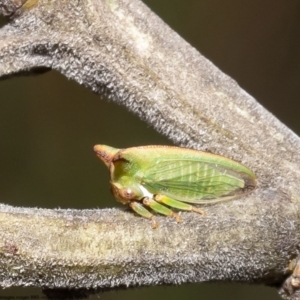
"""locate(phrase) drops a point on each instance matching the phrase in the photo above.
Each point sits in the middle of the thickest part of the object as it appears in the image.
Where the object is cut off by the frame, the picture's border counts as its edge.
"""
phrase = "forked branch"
(121, 50)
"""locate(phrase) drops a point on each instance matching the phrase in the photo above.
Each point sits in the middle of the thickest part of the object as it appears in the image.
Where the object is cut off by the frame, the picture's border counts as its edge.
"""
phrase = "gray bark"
(121, 50)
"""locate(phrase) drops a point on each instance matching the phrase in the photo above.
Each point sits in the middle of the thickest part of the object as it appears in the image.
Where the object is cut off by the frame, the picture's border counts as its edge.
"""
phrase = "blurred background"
(49, 125)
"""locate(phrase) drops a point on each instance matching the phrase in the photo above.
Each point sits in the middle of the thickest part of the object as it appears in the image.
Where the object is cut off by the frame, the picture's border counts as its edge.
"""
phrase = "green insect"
(156, 176)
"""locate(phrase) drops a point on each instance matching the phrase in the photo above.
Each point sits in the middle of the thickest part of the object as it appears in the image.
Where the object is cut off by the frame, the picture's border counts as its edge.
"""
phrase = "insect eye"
(128, 193)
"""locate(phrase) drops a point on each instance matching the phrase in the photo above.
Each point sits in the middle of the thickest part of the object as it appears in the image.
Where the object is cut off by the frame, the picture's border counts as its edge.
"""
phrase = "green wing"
(194, 181)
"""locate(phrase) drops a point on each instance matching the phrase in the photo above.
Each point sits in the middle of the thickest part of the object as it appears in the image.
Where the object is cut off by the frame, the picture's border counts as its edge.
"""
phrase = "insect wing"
(194, 181)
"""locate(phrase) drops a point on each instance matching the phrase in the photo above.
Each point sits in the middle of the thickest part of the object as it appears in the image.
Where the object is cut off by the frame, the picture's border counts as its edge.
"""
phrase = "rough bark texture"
(120, 49)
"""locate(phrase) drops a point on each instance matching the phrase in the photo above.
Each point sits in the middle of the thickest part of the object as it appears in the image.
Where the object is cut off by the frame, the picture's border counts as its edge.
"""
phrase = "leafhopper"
(160, 177)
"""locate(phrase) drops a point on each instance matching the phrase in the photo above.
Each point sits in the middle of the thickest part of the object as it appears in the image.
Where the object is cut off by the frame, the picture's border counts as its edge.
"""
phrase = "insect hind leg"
(178, 204)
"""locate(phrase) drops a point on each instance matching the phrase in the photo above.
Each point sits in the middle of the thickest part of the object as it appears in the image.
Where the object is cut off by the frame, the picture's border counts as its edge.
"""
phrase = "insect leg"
(142, 211)
(160, 208)
(178, 204)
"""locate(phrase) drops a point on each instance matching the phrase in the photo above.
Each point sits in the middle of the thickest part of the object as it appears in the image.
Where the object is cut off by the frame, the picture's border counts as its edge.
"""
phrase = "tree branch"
(121, 50)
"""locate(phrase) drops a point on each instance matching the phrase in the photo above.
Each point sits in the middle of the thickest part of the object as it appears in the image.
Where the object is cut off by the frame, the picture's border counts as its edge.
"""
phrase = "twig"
(121, 50)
